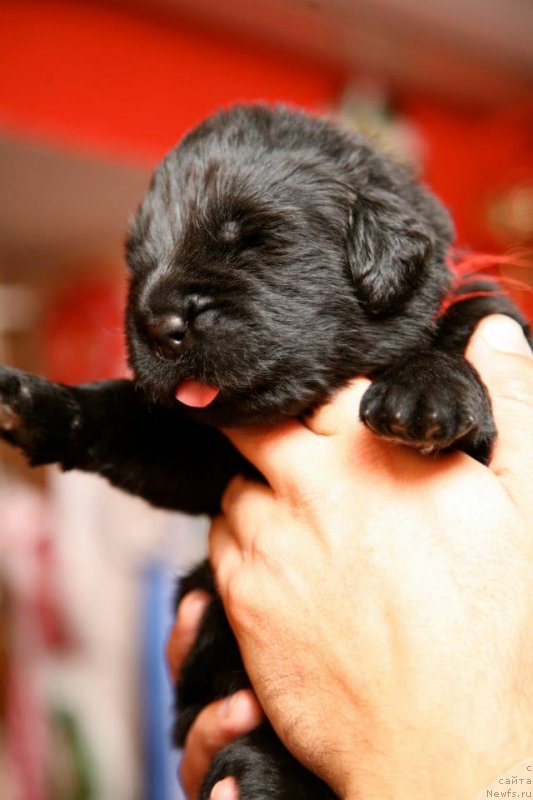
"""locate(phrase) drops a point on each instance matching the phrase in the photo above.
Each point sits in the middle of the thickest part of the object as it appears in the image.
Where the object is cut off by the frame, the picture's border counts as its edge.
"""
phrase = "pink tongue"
(196, 394)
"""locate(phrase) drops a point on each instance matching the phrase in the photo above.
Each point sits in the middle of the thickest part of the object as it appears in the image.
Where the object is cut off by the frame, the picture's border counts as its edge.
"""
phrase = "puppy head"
(274, 257)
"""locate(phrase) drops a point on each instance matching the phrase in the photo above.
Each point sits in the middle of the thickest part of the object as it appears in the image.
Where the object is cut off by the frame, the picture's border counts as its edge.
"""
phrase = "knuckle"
(234, 593)
(226, 564)
(241, 607)
(222, 548)
(259, 544)
(270, 555)
(232, 493)
(217, 527)
(301, 495)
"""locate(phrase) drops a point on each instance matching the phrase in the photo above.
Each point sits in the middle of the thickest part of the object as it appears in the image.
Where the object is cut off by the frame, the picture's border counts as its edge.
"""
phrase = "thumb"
(501, 354)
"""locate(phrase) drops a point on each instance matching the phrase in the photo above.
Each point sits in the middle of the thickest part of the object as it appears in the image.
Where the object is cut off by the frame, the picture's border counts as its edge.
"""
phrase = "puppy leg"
(435, 400)
(258, 761)
(213, 668)
(108, 428)
(37, 416)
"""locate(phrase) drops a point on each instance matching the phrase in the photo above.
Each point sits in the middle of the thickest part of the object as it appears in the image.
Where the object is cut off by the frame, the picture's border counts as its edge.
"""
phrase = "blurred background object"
(92, 94)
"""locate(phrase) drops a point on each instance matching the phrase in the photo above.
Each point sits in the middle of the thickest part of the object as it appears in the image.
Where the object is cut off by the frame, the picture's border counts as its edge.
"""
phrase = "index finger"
(277, 452)
(284, 453)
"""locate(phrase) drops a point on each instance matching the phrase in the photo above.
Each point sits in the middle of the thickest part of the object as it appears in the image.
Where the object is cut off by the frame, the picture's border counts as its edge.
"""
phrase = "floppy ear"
(389, 245)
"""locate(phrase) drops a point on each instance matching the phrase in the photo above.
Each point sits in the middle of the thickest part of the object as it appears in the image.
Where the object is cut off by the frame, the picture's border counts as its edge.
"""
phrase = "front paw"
(36, 415)
(434, 401)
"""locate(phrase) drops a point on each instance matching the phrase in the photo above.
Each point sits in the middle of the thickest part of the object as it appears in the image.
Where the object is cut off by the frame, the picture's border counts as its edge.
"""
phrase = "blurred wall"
(128, 82)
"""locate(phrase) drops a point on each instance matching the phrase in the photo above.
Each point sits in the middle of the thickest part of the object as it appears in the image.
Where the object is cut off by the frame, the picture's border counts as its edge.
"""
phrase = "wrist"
(403, 763)
(448, 778)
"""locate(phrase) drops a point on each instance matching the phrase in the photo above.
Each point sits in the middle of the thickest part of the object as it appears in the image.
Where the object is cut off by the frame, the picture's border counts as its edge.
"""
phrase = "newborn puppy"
(274, 257)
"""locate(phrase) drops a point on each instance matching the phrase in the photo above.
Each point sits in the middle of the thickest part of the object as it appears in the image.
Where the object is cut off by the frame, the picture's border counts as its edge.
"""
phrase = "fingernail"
(193, 606)
(506, 335)
(240, 707)
(224, 790)
(230, 705)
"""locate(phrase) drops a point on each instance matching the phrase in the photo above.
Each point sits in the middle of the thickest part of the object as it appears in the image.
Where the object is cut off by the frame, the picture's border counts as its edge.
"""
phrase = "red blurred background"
(120, 82)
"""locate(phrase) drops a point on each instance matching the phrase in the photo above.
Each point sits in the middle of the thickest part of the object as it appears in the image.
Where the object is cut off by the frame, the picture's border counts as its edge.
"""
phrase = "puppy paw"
(35, 415)
(264, 770)
(12, 395)
(434, 401)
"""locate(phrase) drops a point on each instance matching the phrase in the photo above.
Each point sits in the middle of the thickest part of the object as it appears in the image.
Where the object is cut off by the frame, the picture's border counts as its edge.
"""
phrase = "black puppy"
(273, 258)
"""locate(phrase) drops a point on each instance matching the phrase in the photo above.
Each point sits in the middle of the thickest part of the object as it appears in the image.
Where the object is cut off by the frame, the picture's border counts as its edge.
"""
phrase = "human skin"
(426, 562)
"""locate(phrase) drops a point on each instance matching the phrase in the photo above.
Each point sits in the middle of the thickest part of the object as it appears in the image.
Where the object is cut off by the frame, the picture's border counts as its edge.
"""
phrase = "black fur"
(274, 257)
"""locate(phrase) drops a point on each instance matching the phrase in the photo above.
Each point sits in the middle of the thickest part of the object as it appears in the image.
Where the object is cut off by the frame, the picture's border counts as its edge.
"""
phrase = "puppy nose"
(166, 333)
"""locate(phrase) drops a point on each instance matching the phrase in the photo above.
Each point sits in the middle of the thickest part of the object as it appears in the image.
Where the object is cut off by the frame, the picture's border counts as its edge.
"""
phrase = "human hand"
(217, 724)
(383, 600)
